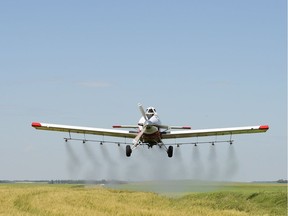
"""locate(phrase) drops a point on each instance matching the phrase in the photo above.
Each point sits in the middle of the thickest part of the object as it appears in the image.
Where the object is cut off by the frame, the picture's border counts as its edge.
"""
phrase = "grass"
(229, 199)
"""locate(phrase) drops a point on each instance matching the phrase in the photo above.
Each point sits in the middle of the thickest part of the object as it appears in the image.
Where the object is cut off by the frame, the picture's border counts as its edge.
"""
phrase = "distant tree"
(282, 181)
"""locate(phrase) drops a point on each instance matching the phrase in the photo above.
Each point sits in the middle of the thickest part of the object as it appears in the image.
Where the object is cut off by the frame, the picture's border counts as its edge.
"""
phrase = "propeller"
(139, 135)
(142, 111)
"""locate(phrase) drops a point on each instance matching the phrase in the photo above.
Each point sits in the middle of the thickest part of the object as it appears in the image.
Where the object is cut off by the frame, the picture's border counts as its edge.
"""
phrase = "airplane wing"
(214, 132)
(85, 130)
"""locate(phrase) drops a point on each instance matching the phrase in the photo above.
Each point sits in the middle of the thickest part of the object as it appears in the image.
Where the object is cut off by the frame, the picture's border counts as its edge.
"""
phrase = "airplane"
(151, 132)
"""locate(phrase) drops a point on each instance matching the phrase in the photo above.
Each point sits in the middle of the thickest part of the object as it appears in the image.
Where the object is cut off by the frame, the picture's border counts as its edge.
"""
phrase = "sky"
(207, 64)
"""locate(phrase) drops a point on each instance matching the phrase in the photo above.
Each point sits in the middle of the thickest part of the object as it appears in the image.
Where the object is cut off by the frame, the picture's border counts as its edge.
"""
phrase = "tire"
(170, 151)
(128, 150)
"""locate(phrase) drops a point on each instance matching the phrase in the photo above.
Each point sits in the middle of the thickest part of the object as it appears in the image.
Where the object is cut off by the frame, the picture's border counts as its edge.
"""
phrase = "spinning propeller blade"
(142, 111)
(137, 138)
(139, 135)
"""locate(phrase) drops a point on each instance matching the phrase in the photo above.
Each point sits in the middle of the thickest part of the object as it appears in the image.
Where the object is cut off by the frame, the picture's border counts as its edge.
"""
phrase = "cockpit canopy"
(150, 111)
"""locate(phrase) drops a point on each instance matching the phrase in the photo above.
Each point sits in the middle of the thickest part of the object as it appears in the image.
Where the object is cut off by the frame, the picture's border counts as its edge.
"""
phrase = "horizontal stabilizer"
(168, 127)
(181, 127)
(125, 126)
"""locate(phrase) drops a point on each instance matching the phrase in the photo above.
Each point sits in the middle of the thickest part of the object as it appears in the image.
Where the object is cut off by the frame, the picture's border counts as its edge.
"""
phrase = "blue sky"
(207, 64)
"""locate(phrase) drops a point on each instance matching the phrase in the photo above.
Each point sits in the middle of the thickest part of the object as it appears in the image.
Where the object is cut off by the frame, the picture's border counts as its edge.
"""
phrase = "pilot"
(150, 112)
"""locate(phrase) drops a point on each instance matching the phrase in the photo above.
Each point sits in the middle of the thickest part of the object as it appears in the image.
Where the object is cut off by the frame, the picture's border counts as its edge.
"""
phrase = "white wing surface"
(214, 132)
(84, 130)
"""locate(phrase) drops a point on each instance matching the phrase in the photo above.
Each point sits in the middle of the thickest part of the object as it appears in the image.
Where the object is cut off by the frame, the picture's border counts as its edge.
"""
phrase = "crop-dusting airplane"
(150, 132)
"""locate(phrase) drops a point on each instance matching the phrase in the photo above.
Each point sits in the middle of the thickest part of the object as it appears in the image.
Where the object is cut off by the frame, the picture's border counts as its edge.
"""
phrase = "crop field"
(148, 198)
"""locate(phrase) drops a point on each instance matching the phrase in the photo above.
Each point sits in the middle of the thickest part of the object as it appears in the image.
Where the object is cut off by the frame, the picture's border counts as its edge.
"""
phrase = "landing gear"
(170, 151)
(128, 150)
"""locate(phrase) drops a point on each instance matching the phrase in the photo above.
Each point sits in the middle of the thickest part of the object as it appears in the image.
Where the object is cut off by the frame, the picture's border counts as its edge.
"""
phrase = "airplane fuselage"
(152, 133)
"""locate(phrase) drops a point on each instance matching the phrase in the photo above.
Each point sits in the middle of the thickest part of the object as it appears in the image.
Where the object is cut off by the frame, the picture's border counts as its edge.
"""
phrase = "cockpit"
(150, 111)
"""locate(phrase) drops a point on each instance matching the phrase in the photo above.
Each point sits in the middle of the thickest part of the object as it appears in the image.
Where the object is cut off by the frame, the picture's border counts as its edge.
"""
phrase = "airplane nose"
(148, 124)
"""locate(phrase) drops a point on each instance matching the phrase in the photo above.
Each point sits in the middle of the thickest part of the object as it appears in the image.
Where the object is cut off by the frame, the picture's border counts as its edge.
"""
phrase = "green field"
(172, 198)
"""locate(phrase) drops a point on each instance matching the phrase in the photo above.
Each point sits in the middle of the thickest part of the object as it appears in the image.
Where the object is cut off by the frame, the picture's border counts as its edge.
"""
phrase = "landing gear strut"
(170, 151)
(128, 150)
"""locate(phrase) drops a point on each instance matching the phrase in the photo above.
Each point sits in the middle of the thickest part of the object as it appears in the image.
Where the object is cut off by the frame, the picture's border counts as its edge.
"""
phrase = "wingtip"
(264, 127)
(36, 124)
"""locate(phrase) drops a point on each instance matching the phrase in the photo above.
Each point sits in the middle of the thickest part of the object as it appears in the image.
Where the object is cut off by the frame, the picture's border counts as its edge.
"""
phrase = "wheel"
(170, 151)
(128, 150)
